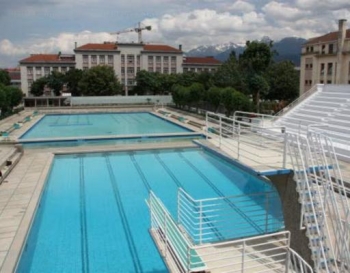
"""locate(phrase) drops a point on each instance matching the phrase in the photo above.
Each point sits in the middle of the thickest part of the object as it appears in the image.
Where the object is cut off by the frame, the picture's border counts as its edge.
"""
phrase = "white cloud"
(241, 7)
(323, 4)
(281, 11)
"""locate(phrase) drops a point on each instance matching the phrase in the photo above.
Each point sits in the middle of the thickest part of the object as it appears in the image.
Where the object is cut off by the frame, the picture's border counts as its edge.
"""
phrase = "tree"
(234, 101)
(3, 100)
(229, 75)
(4, 77)
(147, 82)
(72, 79)
(99, 81)
(195, 95)
(254, 62)
(214, 97)
(284, 81)
(37, 88)
(13, 96)
(55, 81)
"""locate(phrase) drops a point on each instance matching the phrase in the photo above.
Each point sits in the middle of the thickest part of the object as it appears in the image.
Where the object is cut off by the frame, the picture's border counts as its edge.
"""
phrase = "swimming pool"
(101, 124)
(93, 216)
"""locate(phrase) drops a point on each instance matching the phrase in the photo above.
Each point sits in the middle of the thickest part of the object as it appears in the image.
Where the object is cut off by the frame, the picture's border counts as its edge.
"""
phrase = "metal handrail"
(305, 95)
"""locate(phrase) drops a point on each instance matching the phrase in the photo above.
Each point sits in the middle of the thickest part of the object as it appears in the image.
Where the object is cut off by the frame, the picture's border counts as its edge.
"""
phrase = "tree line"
(10, 96)
(244, 82)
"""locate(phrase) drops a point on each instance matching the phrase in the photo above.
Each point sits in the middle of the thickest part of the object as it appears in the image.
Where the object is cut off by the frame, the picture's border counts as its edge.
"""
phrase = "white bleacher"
(327, 109)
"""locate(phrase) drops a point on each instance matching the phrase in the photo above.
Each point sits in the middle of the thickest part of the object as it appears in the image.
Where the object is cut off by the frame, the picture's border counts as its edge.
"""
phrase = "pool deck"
(21, 190)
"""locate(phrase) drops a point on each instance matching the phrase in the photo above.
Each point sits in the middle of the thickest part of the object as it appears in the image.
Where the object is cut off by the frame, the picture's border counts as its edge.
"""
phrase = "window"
(311, 66)
(138, 59)
(199, 69)
(46, 71)
(131, 70)
(330, 69)
(85, 59)
(63, 69)
(312, 49)
(331, 49)
(110, 59)
(85, 68)
(322, 69)
(38, 70)
(55, 69)
(123, 59)
(307, 49)
(307, 66)
(130, 82)
(150, 69)
(102, 59)
(173, 70)
(138, 69)
(93, 59)
(158, 59)
(173, 60)
(321, 81)
(30, 71)
(323, 50)
(329, 82)
(150, 60)
(185, 69)
(159, 69)
(166, 70)
(131, 59)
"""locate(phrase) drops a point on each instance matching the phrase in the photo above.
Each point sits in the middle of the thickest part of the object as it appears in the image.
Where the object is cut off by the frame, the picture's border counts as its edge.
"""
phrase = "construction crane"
(137, 29)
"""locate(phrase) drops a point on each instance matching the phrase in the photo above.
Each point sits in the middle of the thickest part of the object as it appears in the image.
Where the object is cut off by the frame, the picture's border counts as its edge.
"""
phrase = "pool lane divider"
(140, 172)
(126, 227)
(83, 225)
(219, 193)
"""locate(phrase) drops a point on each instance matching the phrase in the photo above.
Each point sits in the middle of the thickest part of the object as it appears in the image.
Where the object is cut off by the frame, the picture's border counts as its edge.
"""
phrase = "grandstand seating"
(328, 109)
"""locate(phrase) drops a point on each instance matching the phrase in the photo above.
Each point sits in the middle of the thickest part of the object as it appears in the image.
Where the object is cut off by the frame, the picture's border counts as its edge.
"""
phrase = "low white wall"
(120, 100)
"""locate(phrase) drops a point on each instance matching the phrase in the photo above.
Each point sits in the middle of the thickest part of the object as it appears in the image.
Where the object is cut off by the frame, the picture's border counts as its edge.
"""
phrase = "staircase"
(324, 211)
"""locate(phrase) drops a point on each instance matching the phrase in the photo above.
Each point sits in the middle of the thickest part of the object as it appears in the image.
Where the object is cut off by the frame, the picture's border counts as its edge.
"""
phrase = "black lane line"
(128, 234)
(179, 184)
(83, 227)
(140, 172)
(218, 192)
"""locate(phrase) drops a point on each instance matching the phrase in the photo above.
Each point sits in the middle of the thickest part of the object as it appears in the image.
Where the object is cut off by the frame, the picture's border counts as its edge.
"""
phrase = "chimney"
(340, 68)
(180, 47)
(75, 45)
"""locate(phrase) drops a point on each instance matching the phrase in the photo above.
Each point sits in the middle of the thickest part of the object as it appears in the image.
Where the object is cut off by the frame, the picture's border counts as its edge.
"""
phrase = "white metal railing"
(313, 216)
(171, 240)
(262, 120)
(210, 220)
(305, 95)
(266, 253)
(335, 201)
(243, 140)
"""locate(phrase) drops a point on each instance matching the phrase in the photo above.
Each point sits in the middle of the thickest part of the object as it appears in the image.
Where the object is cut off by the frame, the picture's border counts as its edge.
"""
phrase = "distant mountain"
(288, 49)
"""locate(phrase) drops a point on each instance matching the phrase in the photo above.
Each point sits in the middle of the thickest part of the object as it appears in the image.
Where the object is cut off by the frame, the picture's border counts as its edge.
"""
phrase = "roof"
(48, 58)
(161, 48)
(332, 36)
(201, 60)
(104, 46)
(14, 73)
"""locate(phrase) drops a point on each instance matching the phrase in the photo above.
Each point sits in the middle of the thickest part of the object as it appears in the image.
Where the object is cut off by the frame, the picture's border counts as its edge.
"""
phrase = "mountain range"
(288, 48)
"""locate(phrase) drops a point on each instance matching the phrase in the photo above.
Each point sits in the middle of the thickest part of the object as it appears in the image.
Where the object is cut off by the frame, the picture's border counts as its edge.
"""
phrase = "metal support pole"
(243, 256)
(267, 212)
(285, 149)
(220, 130)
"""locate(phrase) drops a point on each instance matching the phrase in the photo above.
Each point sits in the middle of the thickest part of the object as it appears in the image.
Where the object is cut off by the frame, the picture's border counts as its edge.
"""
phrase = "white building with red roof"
(38, 65)
(126, 59)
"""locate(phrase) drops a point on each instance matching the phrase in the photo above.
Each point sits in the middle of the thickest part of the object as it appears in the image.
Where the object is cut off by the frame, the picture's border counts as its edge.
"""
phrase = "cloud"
(284, 12)
(323, 4)
(241, 7)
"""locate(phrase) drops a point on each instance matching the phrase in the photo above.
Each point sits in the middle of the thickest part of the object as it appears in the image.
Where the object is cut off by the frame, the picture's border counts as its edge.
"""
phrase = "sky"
(50, 26)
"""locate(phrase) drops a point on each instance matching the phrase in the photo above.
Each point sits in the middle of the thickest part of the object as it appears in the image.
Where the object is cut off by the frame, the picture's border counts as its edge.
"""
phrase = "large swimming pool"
(101, 124)
(93, 216)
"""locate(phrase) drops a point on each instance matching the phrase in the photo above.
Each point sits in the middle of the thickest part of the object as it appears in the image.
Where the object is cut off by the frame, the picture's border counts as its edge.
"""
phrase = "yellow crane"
(137, 29)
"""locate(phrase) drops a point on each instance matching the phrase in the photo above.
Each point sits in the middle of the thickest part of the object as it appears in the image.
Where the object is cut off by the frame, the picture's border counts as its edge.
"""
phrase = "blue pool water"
(93, 216)
(101, 124)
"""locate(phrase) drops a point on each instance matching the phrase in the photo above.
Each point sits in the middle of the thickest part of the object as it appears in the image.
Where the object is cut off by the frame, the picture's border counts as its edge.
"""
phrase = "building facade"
(326, 59)
(125, 58)
(128, 59)
(15, 76)
(200, 64)
(39, 65)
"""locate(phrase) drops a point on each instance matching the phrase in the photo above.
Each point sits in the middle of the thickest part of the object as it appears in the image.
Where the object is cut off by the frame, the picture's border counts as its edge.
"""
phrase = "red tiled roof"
(200, 60)
(160, 48)
(332, 36)
(14, 73)
(105, 46)
(46, 58)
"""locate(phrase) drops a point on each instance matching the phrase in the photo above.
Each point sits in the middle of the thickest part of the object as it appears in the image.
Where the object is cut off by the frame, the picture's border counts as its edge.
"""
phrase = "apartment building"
(15, 76)
(200, 64)
(38, 65)
(326, 59)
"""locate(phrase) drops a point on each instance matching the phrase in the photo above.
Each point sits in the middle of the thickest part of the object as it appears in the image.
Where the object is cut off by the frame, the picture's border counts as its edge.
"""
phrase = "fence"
(248, 140)
(267, 253)
(223, 218)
